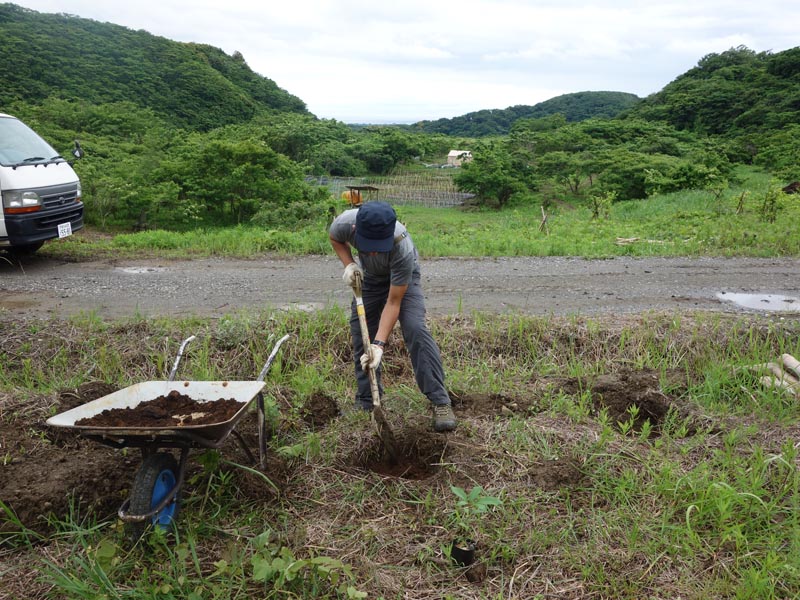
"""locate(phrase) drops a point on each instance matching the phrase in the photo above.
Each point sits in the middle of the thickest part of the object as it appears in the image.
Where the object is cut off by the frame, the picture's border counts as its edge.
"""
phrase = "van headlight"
(21, 202)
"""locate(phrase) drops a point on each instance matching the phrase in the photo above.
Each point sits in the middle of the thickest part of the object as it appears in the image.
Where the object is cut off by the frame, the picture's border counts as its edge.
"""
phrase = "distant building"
(456, 157)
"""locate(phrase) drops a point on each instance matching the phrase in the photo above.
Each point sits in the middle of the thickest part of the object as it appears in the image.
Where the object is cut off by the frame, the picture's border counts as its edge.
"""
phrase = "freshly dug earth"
(172, 410)
(52, 468)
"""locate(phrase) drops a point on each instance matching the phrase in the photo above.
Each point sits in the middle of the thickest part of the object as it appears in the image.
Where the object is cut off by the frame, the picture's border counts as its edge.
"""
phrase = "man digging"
(391, 289)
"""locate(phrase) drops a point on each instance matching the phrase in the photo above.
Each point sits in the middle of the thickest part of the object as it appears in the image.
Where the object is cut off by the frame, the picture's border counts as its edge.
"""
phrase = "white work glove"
(350, 271)
(371, 359)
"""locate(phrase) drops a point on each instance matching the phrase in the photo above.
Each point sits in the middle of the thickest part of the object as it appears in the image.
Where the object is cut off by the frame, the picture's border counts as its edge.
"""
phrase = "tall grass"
(691, 223)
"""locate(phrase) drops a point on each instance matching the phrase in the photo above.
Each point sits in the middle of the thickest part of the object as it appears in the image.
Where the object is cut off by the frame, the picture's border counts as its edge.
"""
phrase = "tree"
(234, 180)
(493, 175)
(334, 158)
(572, 170)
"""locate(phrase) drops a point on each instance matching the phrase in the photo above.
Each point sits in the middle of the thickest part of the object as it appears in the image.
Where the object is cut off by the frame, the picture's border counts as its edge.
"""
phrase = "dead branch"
(543, 224)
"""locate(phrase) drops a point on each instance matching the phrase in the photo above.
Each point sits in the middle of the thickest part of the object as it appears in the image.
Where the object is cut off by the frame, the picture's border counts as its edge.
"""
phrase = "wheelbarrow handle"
(271, 358)
(178, 358)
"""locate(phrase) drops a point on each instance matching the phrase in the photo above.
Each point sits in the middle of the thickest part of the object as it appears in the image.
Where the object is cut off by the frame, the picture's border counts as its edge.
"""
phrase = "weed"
(601, 204)
(706, 500)
(770, 205)
(279, 569)
(470, 506)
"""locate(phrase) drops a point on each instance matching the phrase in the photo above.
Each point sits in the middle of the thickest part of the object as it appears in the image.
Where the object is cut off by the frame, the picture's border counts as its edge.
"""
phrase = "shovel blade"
(385, 434)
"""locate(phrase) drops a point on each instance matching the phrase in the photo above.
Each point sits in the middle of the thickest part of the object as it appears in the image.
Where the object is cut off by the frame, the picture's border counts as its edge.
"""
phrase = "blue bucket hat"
(375, 223)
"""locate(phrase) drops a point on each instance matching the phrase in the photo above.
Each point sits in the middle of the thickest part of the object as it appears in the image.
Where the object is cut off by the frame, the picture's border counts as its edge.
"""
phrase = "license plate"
(64, 229)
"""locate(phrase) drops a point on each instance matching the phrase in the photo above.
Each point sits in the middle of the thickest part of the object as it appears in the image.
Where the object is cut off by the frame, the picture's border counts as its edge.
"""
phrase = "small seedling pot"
(463, 552)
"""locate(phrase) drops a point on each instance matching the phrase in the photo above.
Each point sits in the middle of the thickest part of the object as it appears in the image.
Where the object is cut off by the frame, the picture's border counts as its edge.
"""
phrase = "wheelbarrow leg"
(262, 417)
(243, 446)
(262, 432)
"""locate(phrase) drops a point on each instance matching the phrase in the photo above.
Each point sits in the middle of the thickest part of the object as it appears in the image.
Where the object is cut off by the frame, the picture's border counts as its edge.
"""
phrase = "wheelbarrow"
(154, 495)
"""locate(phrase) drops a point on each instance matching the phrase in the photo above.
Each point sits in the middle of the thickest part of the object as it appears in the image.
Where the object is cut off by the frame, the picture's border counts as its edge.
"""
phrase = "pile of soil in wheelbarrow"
(172, 410)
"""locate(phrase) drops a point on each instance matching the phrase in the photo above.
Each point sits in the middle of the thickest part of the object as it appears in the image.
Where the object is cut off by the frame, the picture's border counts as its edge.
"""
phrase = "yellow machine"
(354, 197)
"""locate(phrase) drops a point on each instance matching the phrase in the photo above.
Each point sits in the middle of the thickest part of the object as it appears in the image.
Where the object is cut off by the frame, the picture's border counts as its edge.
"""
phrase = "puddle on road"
(139, 270)
(308, 307)
(765, 302)
(12, 301)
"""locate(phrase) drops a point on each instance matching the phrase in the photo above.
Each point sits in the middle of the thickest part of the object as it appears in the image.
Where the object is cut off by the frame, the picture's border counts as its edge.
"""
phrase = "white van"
(40, 193)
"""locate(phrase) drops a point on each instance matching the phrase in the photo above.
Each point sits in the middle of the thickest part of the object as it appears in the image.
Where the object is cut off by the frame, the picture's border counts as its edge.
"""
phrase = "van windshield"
(20, 145)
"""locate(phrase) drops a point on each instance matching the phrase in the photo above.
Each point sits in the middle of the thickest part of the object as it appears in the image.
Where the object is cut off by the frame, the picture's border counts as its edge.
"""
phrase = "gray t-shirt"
(397, 266)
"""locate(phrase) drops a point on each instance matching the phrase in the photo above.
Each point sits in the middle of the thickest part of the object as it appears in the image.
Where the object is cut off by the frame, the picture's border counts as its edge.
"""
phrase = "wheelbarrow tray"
(208, 435)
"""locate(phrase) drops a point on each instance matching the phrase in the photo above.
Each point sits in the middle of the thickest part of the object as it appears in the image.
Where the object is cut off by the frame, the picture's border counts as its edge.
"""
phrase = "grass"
(691, 223)
(611, 457)
(568, 493)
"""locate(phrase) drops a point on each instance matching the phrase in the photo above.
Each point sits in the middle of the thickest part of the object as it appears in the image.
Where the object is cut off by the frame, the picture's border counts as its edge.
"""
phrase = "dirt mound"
(72, 475)
(553, 475)
(480, 404)
(319, 410)
(52, 470)
(628, 396)
(631, 396)
(171, 410)
(91, 390)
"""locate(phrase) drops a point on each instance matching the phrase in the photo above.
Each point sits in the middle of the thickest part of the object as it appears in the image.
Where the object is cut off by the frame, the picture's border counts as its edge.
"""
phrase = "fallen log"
(791, 364)
(781, 384)
(625, 241)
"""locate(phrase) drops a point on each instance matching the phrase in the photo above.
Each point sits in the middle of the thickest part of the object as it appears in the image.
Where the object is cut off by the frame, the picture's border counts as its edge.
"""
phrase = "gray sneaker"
(443, 418)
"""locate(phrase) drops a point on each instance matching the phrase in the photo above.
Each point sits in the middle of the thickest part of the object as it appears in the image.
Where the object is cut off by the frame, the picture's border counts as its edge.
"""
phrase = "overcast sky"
(401, 62)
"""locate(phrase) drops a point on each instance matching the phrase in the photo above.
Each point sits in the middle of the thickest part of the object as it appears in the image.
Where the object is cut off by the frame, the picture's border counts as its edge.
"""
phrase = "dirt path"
(212, 287)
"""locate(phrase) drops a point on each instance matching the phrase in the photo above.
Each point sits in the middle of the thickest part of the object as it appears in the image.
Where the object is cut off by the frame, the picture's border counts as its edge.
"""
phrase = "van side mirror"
(77, 151)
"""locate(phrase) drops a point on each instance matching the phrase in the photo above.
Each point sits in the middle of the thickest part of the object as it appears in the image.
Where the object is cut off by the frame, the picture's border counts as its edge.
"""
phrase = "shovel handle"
(362, 321)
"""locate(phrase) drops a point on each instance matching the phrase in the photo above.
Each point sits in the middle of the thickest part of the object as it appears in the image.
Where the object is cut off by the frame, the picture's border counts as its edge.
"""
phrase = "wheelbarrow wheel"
(156, 478)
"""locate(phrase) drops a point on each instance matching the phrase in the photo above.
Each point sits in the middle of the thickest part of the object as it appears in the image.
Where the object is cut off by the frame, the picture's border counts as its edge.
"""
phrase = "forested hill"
(192, 85)
(733, 93)
(575, 107)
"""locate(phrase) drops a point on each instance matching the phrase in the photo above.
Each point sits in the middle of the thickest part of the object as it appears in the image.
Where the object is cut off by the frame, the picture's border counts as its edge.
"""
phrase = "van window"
(19, 143)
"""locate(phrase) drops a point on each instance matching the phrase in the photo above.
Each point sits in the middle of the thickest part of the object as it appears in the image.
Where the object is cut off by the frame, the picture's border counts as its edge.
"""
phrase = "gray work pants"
(425, 357)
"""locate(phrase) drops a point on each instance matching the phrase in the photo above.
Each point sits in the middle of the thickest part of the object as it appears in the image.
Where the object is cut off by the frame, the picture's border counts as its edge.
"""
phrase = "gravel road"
(43, 287)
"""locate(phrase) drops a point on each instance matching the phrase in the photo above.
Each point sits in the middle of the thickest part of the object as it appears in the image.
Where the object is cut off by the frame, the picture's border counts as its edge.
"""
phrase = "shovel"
(381, 424)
